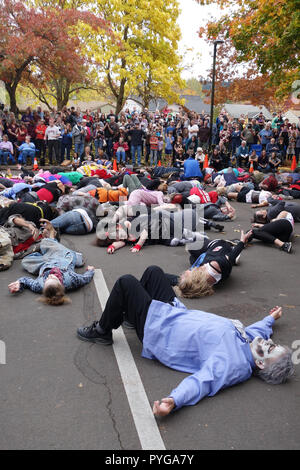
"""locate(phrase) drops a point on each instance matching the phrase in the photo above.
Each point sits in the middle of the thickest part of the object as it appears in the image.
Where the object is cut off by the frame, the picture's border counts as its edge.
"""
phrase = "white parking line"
(141, 410)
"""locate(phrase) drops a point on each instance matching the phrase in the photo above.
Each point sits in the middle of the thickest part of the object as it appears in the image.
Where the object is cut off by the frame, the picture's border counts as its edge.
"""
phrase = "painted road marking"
(141, 410)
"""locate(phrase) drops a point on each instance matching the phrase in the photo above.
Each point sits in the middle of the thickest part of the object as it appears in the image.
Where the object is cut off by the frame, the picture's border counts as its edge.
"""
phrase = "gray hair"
(279, 371)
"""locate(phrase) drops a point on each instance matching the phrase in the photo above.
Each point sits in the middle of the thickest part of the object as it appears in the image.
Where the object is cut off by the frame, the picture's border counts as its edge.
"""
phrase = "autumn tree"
(193, 87)
(55, 82)
(145, 60)
(264, 36)
(37, 39)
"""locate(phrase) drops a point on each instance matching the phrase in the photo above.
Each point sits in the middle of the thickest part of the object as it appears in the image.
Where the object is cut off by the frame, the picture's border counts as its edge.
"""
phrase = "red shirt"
(40, 132)
(45, 195)
(21, 135)
(153, 143)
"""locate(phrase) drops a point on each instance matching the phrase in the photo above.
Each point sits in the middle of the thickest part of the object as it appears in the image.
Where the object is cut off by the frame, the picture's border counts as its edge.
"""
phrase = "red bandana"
(57, 272)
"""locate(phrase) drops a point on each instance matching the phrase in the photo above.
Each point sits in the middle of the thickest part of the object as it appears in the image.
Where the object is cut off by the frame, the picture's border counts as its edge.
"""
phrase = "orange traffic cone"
(159, 163)
(205, 164)
(35, 165)
(115, 166)
(294, 163)
(251, 169)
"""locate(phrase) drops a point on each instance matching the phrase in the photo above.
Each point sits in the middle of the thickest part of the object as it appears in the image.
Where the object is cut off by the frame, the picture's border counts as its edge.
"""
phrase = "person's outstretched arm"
(263, 328)
(35, 285)
(74, 280)
(141, 241)
(219, 371)
(115, 246)
(239, 247)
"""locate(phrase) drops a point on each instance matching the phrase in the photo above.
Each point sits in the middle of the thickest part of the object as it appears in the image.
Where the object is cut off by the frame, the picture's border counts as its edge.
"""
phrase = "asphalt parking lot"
(59, 393)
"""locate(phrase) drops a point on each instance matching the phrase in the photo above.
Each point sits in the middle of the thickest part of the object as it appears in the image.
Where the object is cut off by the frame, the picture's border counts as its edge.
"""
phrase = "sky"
(192, 17)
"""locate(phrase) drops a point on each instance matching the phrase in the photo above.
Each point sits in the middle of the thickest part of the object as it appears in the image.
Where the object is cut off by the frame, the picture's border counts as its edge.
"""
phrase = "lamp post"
(213, 91)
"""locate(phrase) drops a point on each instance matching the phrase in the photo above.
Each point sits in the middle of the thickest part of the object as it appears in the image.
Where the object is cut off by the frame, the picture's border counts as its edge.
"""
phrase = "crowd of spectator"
(133, 137)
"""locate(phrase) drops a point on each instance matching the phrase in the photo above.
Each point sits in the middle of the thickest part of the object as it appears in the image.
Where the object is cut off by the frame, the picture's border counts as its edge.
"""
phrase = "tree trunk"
(63, 94)
(146, 101)
(12, 86)
(11, 90)
(121, 96)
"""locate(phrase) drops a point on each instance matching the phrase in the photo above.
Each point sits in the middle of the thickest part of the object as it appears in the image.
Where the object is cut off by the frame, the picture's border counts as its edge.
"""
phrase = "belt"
(84, 222)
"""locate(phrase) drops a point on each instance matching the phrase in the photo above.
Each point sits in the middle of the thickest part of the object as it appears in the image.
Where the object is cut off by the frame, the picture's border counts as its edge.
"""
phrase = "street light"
(213, 91)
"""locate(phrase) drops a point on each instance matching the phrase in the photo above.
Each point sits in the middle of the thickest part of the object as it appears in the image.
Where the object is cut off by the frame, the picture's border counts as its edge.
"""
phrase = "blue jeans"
(71, 223)
(98, 145)
(153, 157)
(6, 155)
(64, 148)
(134, 149)
(121, 154)
(79, 148)
(22, 159)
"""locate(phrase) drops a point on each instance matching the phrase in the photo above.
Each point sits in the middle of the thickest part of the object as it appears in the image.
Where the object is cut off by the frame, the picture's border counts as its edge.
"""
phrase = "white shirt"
(193, 130)
(52, 133)
(263, 196)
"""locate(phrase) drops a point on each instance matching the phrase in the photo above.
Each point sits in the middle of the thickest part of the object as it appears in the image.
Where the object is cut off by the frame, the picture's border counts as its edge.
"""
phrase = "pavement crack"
(82, 363)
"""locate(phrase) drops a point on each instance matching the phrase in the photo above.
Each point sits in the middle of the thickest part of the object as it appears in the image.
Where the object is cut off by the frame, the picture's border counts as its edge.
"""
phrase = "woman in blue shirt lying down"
(216, 351)
(54, 265)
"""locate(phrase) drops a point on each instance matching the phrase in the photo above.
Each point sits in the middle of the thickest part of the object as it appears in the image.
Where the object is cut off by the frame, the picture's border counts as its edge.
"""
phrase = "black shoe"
(94, 334)
(287, 247)
(218, 227)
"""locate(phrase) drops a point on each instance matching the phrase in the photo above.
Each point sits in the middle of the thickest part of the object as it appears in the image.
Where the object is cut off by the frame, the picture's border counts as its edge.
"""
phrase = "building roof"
(192, 103)
(292, 115)
(195, 103)
(236, 110)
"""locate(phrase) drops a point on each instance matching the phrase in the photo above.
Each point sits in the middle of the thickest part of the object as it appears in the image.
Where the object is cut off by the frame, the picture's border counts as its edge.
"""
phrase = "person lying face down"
(218, 352)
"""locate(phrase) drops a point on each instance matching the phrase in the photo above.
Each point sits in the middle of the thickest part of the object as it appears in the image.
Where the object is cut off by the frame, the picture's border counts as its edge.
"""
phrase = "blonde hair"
(221, 191)
(194, 286)
(163, 187)
(54, 295)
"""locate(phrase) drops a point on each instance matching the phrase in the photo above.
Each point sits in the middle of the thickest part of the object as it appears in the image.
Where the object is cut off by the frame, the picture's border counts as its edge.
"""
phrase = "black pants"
(53, 145)
(41, 148)
(281, 229)
(130, 299)
(292, 192)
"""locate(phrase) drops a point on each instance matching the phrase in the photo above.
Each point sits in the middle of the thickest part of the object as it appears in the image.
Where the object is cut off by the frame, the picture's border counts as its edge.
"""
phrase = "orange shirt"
(105, 195)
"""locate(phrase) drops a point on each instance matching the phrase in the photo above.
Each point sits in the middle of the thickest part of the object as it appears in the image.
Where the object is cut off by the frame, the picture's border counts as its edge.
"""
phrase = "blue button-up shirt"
(206, 345)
